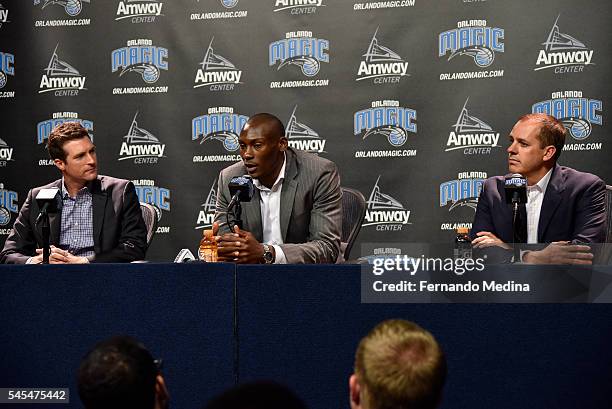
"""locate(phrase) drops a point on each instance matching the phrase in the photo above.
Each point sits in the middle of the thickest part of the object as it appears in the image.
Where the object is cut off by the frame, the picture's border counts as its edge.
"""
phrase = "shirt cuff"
(279, 255)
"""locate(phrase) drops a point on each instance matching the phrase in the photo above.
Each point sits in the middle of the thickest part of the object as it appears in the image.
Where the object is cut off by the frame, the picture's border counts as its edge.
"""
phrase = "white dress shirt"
(270, 202)
(535, 197)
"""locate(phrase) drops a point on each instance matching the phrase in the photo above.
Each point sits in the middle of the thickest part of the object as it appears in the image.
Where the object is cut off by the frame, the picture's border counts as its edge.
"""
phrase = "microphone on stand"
(515, 187)
(242, 190)
(47, 200)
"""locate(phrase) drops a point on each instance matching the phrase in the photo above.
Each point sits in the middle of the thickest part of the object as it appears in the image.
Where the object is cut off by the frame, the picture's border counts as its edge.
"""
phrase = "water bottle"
(463, 244)
(208, 247)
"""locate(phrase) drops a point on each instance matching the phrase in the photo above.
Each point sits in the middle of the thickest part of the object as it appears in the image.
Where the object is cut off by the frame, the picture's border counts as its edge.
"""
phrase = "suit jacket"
(573, 208)
(120, 234)
(311, 208)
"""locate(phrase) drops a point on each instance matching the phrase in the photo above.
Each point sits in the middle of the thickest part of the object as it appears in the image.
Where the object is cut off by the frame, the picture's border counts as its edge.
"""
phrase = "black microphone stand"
(43, 217)
(515, 227)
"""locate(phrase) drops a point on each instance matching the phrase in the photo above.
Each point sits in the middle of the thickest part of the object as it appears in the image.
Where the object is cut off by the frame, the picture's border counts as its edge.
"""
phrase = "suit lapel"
(552, 199)
(288, 193)
(99, 199)
(252, 216)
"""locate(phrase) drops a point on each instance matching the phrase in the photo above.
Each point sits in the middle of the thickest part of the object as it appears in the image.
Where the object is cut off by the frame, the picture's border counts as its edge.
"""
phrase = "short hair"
(118, 373)
(264, 117)
(552, 132)
(400, 365)
(61, 134)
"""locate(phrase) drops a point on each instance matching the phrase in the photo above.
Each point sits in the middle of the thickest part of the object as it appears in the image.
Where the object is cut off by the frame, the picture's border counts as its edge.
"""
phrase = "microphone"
(515, 186)
(47, 200)
(242, 189)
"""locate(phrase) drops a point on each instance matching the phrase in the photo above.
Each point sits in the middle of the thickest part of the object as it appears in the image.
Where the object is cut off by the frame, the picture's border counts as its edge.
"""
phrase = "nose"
(91, 158)
(247, 152)
(512, 148)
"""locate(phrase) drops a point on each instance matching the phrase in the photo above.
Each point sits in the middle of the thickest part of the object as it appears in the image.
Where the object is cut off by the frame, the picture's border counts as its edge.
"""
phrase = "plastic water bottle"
(208, 247)
(463, 244)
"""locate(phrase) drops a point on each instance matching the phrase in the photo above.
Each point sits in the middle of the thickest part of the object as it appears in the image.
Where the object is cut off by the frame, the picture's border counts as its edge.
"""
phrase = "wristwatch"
(267, 255)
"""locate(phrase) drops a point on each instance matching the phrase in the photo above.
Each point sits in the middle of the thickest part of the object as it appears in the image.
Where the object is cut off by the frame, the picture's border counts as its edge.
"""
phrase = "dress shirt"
(76, 232)
(270, 200)
(535, 197)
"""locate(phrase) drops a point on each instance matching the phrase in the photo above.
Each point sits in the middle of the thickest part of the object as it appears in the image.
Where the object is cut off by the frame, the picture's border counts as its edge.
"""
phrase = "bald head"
(267, 124)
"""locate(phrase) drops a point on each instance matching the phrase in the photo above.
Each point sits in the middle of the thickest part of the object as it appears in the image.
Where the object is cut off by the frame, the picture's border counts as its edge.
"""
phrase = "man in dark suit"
(565, 207)
(295, 215)
(99, 218)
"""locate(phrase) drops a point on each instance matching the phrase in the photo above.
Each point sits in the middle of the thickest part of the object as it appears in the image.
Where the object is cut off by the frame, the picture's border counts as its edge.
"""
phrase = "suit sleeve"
(590, 214)
(323, 243)
(132, 241)
(483, 220)
(20, 245)
(221, 206)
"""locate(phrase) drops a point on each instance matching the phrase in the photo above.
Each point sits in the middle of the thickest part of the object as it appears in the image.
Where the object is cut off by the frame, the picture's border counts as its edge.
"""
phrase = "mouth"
(513, 161)
(251, 168)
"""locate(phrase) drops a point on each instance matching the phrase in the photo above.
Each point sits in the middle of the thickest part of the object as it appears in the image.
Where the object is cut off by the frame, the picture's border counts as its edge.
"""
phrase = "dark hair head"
(552, 132)
(118, 373)
(257, 395)
(68, 131)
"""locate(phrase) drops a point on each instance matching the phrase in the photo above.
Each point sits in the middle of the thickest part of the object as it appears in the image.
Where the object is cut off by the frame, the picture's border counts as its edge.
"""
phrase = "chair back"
(353, 213)
(150, 216)
(609, 214)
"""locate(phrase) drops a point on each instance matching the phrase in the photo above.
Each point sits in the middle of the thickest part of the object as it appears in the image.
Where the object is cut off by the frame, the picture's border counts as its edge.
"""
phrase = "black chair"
(353, 213)
(609, 213)
(150, 216)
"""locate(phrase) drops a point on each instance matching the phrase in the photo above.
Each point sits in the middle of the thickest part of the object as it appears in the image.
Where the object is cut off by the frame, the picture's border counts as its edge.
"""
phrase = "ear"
(549, 153)
(354, 392)
(60, 164)
(161, 393)
(283, 143)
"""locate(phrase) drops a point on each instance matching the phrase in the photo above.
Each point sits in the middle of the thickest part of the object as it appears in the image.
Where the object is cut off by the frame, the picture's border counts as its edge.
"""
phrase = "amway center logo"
(139, 11)
(217, 72)
(206, 215)
(141, 145)
(220, 124)
(577, 113)
(301, 49)
(389, 120)
(44, 128)
(142, 57)
(563, 53)
(61, 78)
(296, 7)
(381, 64)
(7, 67)
(385, 212)
(71, 7)
(302, 136)
(3, 15)
(6, 153)
(9, 203)
(157, 196)
(471, 134)
(463, 191)
(474, 39)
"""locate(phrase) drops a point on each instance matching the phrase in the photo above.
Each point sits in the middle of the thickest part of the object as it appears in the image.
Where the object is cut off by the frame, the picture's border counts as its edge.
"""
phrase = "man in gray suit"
(99, 218)
(295, 215)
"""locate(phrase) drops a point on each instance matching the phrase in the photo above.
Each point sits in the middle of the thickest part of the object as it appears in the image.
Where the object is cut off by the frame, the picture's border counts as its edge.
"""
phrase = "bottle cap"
(208, 233)
(462, 230)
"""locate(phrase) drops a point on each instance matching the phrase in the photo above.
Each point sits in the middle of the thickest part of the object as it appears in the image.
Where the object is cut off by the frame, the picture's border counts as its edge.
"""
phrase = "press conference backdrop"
(412, 99)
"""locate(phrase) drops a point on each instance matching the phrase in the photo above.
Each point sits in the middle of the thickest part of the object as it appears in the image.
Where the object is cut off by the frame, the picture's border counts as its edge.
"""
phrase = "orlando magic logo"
(206, 215)
(471, 134)
(303, 137)
(3, 15)
(463, 191)
(217, 72)
(8, 204)
(7, 67)
(388, 119)
(221, 124)
(44, 128)
(381, 64)
(296, 7)
(139, 11)
(6, 153)
(157, 196)
(299, 49)
(229, 4)
(383, 209)
(71, 7)
(61, 77)
(577, 113)
(141, 145)
(142, 57)
(474, 39)
(563, 52)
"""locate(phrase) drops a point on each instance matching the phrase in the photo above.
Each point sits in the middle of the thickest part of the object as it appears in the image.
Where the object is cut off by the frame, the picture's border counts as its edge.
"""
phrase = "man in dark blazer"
(99, 218)
(295, 215)
(565, 207)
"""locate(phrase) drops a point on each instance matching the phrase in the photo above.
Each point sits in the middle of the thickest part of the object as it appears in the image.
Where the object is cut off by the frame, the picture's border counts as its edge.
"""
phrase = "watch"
(267, 255)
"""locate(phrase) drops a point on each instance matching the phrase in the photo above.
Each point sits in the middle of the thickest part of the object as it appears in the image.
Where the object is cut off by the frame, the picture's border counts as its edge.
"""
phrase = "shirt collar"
(65, 190)
(279, 179)
(543, 183)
